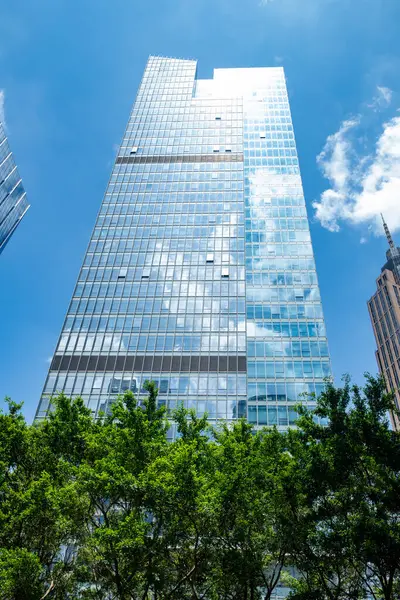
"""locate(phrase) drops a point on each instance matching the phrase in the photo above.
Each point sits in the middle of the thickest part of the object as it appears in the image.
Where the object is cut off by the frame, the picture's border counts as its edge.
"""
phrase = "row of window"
(179, 145)
(219, 139)
(174, 245)
(277, 294)
(209, 289)
(177, 219)
(175, 197)
(285, 311)
(285, 329)
(189, 114)
(209, 271)
(104, 343)
(283, 369)
(179, 110)
(277, 264)
(183, 186)
(268, 223)
(185, 133)
(192, 384)
(148, 290)
(198, 117)
(277, 250)
(193, 169)
(146, 252)
(194, 209)
(207, 278)
(217, 244)
(125, 343)
(219, 322)
(192, 305)
(275, 237)
(175, 175)
(292, 348)
(272, 206)
(112, 259)
(183, 231)
(139, 306)
(201, 384)
(272, 117)
(266, 145)
(273, 278)
(159, 305)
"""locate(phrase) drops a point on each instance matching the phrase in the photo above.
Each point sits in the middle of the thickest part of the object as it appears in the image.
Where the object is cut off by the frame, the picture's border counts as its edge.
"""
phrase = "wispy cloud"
(382, 99)
(362, 184)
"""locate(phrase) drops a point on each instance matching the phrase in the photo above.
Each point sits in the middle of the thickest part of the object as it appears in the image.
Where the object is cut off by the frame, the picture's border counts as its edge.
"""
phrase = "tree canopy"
(109, 509)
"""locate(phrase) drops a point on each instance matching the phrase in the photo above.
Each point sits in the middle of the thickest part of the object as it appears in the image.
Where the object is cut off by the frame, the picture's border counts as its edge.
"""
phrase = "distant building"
(200, 272)
(384, 310)
(13, 202)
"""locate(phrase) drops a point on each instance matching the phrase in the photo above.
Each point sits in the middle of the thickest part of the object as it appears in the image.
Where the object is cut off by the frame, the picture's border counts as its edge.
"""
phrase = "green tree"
(348, 532)
(109, 509)
(251, 490)
(117, 558)
(40, 513)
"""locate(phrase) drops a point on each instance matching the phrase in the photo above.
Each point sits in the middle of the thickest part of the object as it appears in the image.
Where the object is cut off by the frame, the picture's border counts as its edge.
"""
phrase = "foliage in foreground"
(109, 509)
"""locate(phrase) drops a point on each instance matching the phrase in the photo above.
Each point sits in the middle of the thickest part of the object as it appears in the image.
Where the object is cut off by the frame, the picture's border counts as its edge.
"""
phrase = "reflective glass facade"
(13, 202)
(200, 272)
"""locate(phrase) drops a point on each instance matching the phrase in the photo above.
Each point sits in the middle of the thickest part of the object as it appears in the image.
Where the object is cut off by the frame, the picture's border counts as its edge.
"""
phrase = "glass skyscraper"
(13, 202)
(200, 272)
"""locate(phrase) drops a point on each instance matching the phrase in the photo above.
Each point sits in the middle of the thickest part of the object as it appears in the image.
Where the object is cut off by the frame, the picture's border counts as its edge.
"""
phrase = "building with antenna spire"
(384, 312)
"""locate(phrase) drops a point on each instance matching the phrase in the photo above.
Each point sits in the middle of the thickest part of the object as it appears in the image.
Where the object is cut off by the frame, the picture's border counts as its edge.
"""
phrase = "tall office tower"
(384, 312)
(13, 202)
(200, 272)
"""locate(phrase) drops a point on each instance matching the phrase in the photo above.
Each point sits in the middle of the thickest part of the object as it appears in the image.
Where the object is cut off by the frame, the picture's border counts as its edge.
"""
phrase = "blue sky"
(70, 70)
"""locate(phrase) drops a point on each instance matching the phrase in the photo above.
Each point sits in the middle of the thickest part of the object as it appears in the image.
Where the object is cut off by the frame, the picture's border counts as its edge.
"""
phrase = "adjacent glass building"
(384, 312)
(200, 272)
(13, 202)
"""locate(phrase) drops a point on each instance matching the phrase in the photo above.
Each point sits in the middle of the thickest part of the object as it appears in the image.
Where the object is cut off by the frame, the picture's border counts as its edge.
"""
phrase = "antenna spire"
(388, 235)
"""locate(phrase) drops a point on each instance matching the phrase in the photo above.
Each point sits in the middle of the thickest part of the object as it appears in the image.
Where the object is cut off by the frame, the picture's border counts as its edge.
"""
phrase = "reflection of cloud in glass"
(212, 339)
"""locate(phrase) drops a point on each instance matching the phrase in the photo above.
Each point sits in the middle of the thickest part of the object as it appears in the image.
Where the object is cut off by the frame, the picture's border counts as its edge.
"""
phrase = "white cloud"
(382, 99)
(2, 119)
(361, 186)
(334, 161)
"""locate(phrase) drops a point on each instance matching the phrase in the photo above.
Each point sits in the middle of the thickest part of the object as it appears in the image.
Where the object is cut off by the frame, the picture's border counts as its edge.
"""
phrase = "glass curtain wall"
(200, 272)
(13, 202)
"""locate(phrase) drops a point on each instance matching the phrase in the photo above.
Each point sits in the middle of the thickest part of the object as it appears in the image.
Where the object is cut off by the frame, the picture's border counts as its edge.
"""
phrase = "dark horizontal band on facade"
(162, 364)
(184, 158)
